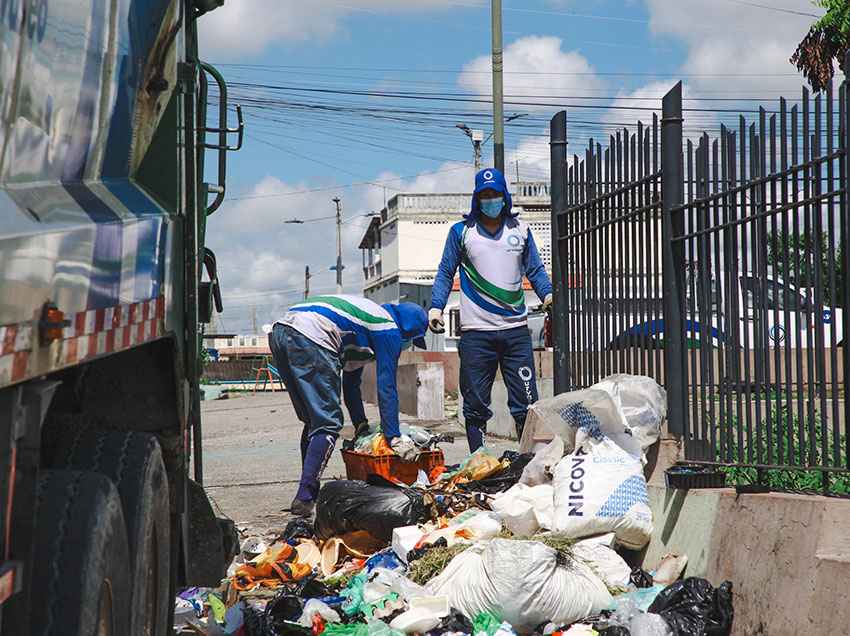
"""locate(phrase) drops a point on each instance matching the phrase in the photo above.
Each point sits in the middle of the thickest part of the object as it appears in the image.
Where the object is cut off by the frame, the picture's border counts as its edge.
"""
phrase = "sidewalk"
(252, 462)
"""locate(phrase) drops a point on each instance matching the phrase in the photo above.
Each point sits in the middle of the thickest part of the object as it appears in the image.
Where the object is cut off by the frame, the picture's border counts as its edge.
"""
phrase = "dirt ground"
(252, 463)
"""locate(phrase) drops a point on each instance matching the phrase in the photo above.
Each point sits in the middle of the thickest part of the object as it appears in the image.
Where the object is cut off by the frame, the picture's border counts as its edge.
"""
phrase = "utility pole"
(254, 319)
(338, 246)
(306, 282)
(517, 170)
(498, 95)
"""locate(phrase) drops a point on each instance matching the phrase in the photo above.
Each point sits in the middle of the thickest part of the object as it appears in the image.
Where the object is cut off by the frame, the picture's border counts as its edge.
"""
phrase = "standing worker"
(320, 338)
(494, 250)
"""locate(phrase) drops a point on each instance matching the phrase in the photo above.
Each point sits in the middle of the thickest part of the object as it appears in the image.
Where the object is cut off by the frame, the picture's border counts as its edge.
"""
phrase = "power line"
(775, 9)
(558, 73)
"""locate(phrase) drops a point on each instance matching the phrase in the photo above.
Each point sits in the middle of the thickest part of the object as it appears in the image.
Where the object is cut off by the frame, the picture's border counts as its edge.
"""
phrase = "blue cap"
(412, 322)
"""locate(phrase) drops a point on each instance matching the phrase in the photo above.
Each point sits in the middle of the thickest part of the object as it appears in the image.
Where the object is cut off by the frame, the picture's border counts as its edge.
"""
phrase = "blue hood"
(490, 179)
(412, 321)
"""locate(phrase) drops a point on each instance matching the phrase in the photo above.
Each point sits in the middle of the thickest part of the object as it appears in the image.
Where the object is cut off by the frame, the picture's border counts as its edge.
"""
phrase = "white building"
(403, 245)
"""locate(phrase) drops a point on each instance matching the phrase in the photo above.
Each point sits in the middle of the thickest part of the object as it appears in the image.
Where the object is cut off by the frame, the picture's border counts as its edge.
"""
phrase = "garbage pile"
(523, 543)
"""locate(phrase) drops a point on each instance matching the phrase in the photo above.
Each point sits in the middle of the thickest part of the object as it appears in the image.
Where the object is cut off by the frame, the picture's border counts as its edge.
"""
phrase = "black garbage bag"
(298, 529)
(347, 506)
(693, 607)
(417, 553)
(500, 482)
(641, 578)
(454, 623)
(615, 631)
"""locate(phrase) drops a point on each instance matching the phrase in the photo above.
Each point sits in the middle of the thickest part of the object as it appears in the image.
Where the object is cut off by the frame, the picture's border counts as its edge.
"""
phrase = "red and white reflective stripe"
(89, 334)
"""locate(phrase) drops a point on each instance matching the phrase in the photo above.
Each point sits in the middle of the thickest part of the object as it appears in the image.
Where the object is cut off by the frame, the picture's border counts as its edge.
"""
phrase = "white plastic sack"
(601, 488)
(537, 471)
(522, 582)
(525, 510)
(605, 562)
(643, 402)
(576, 417)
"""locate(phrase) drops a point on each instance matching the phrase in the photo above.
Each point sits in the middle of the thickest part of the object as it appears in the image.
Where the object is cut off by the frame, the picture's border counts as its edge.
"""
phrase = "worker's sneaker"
(301, 508)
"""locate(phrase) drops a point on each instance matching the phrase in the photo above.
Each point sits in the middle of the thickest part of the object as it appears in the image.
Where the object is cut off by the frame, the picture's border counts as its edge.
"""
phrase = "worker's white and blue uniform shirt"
(491, 273)
(359, 331)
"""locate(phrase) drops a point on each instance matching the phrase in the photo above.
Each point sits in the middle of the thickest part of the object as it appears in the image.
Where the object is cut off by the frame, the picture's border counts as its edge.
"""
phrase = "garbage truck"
(105, 285)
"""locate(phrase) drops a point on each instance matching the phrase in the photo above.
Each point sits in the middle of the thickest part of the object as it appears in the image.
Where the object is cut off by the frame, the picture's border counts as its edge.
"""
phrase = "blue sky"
(289, 62)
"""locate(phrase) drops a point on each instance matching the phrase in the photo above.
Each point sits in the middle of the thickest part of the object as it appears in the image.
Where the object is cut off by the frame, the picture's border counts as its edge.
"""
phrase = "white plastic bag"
(643, 402)
(608, 565)
(525, 510)
(601, 488)
(522, 582)
(576, 417)
(537, 471)
(315, 606)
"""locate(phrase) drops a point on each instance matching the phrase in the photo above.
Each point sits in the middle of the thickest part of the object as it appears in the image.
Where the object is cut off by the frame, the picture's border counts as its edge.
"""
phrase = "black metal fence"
(715, 265)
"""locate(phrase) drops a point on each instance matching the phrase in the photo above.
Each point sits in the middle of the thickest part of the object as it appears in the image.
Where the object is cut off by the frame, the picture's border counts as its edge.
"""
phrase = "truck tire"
(81, 582)
(133, 461)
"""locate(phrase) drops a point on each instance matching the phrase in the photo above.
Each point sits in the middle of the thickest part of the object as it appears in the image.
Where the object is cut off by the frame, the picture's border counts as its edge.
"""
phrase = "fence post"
(845, 256)
(558, 194)
(673, 264)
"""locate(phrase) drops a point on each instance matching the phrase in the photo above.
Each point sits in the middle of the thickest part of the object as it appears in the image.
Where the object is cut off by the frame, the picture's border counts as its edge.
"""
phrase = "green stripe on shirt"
(349, 308)
(513, 298)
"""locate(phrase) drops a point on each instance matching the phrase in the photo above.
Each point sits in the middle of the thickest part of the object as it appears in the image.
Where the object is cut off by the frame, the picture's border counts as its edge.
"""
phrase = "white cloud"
(536, 66)
(261, 259)
(727, 38)
(245, 28)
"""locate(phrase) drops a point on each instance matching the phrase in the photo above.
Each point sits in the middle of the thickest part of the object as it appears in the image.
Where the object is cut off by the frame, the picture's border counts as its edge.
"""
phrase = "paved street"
(252, 462)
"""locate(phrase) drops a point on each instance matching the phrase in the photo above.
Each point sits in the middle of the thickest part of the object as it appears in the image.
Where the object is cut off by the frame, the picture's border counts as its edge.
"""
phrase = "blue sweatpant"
(311, 375)
(481, 354)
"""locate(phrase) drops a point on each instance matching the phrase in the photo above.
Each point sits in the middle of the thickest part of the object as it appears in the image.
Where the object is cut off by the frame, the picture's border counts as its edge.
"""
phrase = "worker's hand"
(547, 302)
(405, 448)
(435, 320)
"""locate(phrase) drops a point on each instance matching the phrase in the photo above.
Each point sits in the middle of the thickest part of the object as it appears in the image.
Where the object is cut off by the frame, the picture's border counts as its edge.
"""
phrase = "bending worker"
(494, 250)
(317, 340)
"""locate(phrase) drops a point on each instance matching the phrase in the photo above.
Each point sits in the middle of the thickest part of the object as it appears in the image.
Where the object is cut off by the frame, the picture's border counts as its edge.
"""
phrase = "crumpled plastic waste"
(641, 578)
(511, 465)
(525, 510)
(404, 447)
(693, 607)
(642, 598)
(638, 622)
(480, 465)
(539, 470)
(277, 565)
(299, 528)
(315, 606)
(580, 629)
(485, 623)
(217, 608)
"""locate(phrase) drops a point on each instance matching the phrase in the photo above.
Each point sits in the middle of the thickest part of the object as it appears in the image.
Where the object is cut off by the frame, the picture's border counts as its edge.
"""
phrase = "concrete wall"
(788, 556)
(421, 388)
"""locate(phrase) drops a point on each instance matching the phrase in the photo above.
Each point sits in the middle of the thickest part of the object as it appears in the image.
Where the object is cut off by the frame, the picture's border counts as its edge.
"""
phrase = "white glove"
(547, 302)
(435, 320)
(405, 448)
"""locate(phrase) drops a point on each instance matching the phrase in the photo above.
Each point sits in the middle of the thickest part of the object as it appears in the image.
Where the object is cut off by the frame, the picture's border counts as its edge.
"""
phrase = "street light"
(477, 137)
(299, 221)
